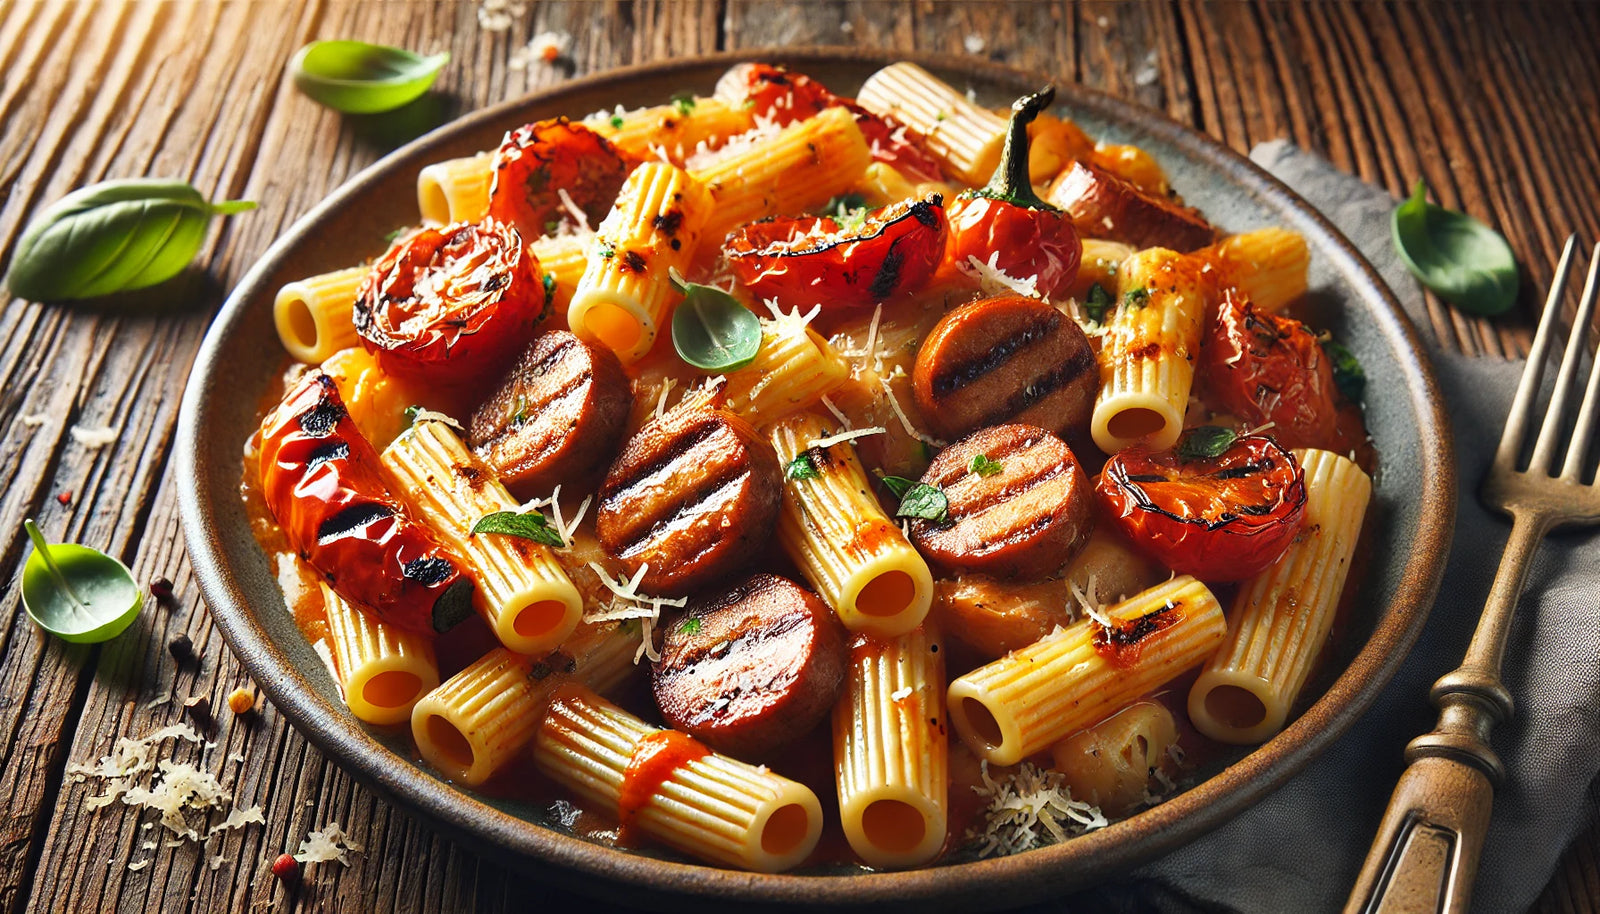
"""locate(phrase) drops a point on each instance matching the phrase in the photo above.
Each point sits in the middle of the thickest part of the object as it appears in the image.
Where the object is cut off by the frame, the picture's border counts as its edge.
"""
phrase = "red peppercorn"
(161, 589)
(65, 498)
(286, 869)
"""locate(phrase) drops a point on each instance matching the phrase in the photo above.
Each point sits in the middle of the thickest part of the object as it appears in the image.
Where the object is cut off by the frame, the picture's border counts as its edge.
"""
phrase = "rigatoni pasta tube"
(890, 752)
(1281, 617)
(1267, 265)
(313, 315)
(523, 593)
(382, 669)
(1147, 355)
(482, 717)
(1098, 266)
(677, 130)
(564, 258)
(704, 804)
(800, 169)
(832, 527)
(455, 190)
(965, 138)
(623, 298)
(794, 368)
(1032, 698)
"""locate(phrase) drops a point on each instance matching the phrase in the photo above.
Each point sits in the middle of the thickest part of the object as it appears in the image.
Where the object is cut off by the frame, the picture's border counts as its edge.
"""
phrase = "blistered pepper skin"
(320, 480)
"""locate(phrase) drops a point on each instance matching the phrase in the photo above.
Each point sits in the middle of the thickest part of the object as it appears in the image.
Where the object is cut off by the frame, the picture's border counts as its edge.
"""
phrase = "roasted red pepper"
(320, 479)
(785, 96)
(1219, 518)
(451, 305)
(536, 162)
(1006, 220)
(810, 260)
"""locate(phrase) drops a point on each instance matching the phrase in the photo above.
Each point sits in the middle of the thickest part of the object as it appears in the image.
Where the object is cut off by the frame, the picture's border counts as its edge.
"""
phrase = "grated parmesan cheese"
(94, 438)
(631, 604)
(136, 867)
(32, 421)
(1031, 807)
(579, 217)
(545, 47)
(1090, 603)
(327, 844)
(973, 43)
(238, 818)
(500, 15)
(847, 435)
(901, 693)
(428, 415)
(844, 421)
(179, 788)
(995, 281)
(786, 324)
(905, 422)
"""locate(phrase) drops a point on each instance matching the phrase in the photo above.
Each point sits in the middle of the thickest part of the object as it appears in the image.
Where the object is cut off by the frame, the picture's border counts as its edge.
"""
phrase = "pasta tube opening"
(313, 315)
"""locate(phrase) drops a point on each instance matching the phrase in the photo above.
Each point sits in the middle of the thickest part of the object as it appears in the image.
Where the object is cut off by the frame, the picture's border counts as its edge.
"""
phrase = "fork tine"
(1583, 432)
(1550, 431)
(1517, 421)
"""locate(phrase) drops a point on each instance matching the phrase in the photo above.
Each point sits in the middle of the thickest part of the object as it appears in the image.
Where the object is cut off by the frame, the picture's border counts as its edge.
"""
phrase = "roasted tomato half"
(538, 161)
(1220, 518)
(810, 260)
(785, 96)
(452, 304)
(1261, 367)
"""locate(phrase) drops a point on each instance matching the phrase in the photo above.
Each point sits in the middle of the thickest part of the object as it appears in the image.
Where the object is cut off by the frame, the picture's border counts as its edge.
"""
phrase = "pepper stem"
(1010, 182)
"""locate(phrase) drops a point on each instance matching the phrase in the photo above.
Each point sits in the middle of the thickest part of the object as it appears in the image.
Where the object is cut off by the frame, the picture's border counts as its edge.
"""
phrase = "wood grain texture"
(1497, 107)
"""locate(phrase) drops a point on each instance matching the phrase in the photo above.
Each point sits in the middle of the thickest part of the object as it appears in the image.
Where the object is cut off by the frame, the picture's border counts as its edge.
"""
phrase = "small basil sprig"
(1467, 263)
(77, 593)
(360, 78)
(712, 331)
(1097, 303)
(532, 525)
(1206, 442)
(112, 237)
(918, 499)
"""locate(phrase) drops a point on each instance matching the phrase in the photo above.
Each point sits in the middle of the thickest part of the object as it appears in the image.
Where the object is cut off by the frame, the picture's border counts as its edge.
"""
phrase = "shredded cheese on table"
(94, 438)
(327, 844)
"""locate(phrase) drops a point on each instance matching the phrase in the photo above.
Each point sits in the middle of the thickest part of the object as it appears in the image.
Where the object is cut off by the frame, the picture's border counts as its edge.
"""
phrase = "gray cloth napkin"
(1301, 847)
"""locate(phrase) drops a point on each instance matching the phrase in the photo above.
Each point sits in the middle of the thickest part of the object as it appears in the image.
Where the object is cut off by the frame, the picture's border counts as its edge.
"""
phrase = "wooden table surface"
(1494, 105)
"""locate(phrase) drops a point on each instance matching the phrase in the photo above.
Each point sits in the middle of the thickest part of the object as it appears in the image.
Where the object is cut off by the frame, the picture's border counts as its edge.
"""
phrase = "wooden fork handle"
(1426, 852)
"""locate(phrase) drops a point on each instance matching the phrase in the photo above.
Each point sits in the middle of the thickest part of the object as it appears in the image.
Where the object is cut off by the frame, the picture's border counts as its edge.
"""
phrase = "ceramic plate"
(1410, 528)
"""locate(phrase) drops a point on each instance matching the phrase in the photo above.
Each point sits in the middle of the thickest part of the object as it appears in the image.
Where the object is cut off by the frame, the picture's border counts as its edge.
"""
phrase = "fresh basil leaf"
(899, 485)
(983, 466)
(530, 526)
(1206, 442)
(77, 593)
(1467, 263)
(112, 237)
(684, 102)
(802, 467)
(1097, 303)
(712, 331)
(926, 502)
(360, 78)
(1348, 375)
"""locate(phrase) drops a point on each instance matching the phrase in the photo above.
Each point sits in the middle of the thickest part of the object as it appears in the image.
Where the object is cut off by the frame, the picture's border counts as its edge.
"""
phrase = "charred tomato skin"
(1220, 519)
(1262, 367)
(537, 161)
(1024, 242)
(811, 260)
(448, 305)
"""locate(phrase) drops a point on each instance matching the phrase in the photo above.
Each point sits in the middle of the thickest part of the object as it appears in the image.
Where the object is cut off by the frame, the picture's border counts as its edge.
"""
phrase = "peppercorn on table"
(197, 91)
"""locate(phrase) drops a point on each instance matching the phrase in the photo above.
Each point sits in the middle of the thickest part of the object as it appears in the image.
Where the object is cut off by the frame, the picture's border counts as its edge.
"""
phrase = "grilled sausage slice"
(556, 418)
(752, 668)
(694, 495)
(1019, 505)
(1102, 205)
(1005, 359)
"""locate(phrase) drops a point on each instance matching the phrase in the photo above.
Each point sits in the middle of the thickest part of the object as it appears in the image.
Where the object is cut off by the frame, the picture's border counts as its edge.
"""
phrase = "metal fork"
(1426, 853)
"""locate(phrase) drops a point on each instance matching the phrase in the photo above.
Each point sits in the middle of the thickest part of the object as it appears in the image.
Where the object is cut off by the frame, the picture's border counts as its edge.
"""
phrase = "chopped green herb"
(1348, 375)
(412, 412)
(925, 502)
(529, 526)
(690, 626)
(552, 226)
(1135, 298)
(395, 235)
(549, 287)
(608, 253)
(616, 121)
(521, 415)
(1097, 303)
(983, 466)
(747, 104)
(684, 102)
(1206, 442)
(802, 467)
